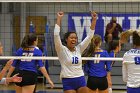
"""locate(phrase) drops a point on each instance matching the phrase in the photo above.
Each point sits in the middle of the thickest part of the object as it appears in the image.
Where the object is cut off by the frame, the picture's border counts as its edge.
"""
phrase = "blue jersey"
(28, 64)
(111, 54)
(98, 68)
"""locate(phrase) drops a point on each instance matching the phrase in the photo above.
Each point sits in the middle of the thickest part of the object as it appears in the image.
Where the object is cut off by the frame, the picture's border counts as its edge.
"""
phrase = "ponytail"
(91, 49)
(28, 40)
(126, 35)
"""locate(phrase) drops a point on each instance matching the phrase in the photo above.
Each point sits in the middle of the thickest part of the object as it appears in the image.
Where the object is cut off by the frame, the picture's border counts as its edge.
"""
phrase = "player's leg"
(83, 90)
(18, 89)
(92, 84)
(70, 91)
(28, 89)
(103, 85)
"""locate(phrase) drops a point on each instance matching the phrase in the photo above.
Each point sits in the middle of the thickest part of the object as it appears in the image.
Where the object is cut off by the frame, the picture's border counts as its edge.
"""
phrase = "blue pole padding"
(31, 28)
(47, 28)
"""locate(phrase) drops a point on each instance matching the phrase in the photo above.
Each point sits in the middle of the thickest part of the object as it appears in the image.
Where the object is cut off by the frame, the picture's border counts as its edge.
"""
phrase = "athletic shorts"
(100, 83)
(73, 83)
(28, 78)
(133, 90)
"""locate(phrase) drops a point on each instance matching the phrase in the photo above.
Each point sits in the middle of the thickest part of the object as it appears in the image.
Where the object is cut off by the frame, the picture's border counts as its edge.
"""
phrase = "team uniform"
(131, 70)
(97, 72)
(71, 62)
(27, 68)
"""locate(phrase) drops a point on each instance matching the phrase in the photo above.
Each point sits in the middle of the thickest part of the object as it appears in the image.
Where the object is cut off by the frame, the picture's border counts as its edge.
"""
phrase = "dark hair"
(28, 40)
(67, 35)
(112, 45)
(94, 42)
(136, 38)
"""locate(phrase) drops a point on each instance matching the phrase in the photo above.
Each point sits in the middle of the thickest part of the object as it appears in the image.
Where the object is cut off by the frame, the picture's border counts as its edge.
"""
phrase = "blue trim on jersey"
(30, 65)
(133, 90)
(73, 83)
(111, 54)
(98, 69)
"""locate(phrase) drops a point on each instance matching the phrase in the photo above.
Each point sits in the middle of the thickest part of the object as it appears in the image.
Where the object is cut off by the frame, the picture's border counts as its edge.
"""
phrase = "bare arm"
(110, 31)
(57, 40)
(59, 18)
(44, 72)
(109, 79)
(94, 19)
(6, 67)
(87, 40)
(10, 71)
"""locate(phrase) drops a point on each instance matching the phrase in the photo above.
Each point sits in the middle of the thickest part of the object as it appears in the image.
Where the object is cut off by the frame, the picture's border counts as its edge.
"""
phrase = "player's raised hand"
(94, 19)
(59, 17)
(60, 14)
(94, 14)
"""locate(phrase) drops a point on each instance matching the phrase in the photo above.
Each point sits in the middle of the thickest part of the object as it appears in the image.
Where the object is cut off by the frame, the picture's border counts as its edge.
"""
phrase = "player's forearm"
(10, 71)
(93, 23)
(3, 72)
(44, 72)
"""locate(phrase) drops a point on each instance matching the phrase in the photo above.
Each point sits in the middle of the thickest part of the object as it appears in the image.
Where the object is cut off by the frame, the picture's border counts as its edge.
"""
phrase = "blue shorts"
(133, 90)
(73, 83)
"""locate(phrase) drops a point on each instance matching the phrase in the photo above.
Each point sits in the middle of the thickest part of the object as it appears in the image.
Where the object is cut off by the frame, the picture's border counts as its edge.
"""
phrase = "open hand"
(16, 78)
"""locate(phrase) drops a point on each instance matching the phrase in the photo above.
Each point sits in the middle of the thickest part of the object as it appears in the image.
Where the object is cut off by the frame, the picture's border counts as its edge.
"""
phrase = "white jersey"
(71, 62)
(131, 68)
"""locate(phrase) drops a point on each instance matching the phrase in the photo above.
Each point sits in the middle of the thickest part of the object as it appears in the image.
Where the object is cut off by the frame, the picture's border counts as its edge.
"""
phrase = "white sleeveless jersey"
(71, 62)
(131, 68)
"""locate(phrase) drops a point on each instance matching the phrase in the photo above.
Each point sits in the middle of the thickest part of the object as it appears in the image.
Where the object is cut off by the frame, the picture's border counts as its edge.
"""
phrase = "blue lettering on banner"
(137, 60)
(80, 22)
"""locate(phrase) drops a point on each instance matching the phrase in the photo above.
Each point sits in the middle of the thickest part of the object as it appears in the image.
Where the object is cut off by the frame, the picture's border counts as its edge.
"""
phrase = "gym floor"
(41, 88)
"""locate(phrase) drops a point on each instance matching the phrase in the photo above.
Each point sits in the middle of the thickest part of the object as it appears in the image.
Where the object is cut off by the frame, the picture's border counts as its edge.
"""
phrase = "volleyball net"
(19, 18)
(56, 58)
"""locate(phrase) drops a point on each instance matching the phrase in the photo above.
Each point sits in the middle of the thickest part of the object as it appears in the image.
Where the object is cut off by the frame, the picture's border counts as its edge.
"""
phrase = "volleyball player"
(27, 68)
(113, 48)
(97, 70)
(72, 75)
(131, 62)
(14, 78)
(3, 80)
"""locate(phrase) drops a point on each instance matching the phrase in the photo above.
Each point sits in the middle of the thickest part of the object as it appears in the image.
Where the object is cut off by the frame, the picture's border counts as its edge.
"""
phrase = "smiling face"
(71, 40)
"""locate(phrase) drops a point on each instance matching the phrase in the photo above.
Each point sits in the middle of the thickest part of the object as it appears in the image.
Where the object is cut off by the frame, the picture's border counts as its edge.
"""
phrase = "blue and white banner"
(80, 22)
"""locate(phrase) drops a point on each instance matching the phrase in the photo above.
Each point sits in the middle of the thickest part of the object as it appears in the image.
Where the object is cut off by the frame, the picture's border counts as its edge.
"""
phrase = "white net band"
(56, 58)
